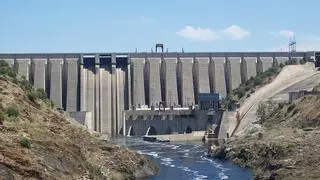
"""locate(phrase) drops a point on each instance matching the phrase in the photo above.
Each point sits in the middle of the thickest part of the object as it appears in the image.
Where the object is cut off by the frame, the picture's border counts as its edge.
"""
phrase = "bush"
(41, 94)
(2, 118)
(291, 107)
(25, 84)
(13, 111)
(34, 95)
(3, 63)
(303, 61)
(25, 142)
(241, 92)
(281, 65)
(257, 81)
(6, 70)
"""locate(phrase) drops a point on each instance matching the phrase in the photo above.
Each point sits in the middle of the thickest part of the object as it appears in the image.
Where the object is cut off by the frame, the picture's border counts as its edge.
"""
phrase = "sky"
(128, 25)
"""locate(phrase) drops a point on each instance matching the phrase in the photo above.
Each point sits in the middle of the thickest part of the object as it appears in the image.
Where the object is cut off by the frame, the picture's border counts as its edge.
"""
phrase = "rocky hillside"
(38, 142)
(287, 148)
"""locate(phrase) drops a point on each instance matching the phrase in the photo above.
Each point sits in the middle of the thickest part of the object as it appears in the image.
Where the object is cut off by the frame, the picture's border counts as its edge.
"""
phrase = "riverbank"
(37, 141)
(287, 147)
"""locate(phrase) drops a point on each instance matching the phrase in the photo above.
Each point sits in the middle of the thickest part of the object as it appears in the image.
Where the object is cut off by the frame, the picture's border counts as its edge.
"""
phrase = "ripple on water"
(218, 166)
(153, 154)
(167, 162)
(222, 176)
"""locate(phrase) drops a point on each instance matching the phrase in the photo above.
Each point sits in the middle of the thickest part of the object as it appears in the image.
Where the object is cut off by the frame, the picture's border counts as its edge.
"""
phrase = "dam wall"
(105, 85)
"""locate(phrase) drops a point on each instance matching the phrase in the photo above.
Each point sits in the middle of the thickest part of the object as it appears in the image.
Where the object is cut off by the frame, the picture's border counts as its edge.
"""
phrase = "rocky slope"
(38, 142)
(287, 148)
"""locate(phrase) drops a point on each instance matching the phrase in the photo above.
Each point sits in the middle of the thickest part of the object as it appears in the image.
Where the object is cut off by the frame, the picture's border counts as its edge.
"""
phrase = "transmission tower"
(292, 48)
(292, 44)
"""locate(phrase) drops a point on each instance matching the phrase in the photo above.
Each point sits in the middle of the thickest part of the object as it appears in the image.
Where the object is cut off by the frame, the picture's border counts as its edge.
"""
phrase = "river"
(185, 161)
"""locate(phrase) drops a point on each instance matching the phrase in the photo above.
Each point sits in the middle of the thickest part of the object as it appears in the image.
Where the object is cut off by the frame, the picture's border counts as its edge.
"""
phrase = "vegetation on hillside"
(38, 142)
(248, 87)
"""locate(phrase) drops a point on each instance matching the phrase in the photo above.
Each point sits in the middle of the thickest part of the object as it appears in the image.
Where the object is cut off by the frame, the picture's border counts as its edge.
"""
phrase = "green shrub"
(281, 65)
(3, 63)
(25, 142)
(34, 95)
(94, 172)
(25, 84)
(7, 71)
(2, 118)
(257, 81)
(12, 111)
(291, 107)
(303, 61)
(41, 94)
(241, 92)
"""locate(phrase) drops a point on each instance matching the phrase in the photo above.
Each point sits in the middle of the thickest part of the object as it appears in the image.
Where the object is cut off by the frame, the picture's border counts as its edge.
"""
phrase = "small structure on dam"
(103, 89)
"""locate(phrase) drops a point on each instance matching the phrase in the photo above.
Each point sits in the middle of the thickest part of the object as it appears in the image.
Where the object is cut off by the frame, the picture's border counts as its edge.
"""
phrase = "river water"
(185, 161)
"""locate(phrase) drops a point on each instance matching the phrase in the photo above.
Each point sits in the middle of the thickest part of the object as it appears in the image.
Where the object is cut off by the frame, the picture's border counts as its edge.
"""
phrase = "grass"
(12, 111)
(25, 142)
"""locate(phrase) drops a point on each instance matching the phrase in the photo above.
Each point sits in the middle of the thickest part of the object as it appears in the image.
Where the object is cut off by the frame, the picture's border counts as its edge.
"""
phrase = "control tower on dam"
(97, 88)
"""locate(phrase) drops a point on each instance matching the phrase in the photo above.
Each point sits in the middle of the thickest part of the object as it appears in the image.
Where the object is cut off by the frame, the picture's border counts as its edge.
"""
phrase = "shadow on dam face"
(188, 130)
(88, 62)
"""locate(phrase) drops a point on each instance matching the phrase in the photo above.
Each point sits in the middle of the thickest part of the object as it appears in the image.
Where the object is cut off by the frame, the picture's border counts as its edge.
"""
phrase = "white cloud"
(286, 33)
(283, 33)
(236, 32)
(198, 34)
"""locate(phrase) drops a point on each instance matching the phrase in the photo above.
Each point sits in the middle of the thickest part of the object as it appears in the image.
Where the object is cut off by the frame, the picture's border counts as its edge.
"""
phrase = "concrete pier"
(23, 67)
(186, 82)
(114, 99)
(39, 73)
(281, 60)
(264, 63)
(234, 72)
(137, 65)
(201, 75)
(120, 97)
(105, 99)
(56, 81)
(98, 95)
(249, 67)
(90, 96)
(153, 72)
(170, 81)
(83, 88)
(72, 84)
(217, 75)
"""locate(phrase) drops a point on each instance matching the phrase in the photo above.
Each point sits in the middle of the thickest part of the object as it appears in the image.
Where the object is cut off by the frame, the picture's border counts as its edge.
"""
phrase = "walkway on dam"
(301, 76)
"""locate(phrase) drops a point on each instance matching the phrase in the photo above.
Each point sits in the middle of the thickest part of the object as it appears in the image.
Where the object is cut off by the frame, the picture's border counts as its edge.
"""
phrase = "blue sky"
(123, 25)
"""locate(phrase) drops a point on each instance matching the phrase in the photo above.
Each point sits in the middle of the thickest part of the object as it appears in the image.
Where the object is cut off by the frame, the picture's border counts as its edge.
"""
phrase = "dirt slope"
(290, 75)
(58, 149)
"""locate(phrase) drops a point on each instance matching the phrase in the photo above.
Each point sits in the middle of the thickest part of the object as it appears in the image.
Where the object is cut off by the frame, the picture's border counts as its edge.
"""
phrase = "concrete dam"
(104, 90)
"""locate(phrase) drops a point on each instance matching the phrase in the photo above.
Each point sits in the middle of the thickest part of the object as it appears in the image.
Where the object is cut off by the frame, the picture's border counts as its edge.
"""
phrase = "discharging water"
(185, 161)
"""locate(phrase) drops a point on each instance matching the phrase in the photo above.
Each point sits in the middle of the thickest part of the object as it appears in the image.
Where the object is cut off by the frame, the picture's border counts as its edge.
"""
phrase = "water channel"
(185, 161)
